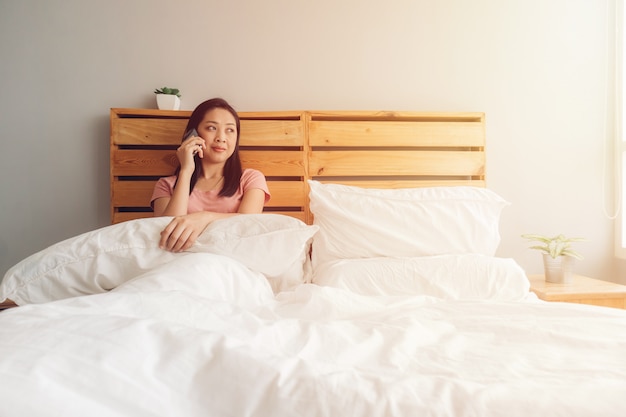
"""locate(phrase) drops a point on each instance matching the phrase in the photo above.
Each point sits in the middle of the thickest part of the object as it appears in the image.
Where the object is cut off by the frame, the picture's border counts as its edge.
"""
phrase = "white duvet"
(204, 335)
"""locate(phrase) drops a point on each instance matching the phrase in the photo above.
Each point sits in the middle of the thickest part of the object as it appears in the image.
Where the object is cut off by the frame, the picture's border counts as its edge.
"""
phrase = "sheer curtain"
(615, 141)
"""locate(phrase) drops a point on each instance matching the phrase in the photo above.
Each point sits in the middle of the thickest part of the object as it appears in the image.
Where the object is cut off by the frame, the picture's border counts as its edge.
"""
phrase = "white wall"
(538, 69)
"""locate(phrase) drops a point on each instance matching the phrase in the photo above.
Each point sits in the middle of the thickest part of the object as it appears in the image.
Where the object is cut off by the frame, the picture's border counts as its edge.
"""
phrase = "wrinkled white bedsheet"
(205, 336)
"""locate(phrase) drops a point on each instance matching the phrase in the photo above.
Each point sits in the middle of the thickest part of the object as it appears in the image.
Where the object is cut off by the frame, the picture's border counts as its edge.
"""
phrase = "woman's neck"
(212, 173)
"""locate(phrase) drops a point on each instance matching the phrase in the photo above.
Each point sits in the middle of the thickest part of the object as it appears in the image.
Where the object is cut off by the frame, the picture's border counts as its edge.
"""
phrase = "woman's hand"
(186, 151)
(181, 233)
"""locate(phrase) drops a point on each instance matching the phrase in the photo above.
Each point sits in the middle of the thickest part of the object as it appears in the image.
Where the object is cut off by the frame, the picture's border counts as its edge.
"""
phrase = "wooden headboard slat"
(124, 216)
(147, 131)
(143, 162)
(274, 163)
(404, 183)
(134, 193)
(274, 115)
(395, 163)
(365, 115)
(271, 133)
(368, 149)
(400, 134)
(133, 162)
(287, 194)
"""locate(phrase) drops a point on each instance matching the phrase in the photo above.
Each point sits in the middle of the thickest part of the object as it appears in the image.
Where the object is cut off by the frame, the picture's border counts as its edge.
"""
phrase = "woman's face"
(218, 128)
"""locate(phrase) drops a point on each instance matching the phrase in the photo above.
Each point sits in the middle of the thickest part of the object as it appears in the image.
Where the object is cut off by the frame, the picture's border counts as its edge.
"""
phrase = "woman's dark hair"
(232, 167)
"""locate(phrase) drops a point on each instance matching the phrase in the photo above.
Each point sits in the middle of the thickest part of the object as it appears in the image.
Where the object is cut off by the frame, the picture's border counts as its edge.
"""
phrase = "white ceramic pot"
(168, 102)
(558, 270)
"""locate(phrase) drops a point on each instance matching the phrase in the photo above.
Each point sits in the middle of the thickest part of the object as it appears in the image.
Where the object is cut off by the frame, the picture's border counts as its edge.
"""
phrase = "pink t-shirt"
(210, 200)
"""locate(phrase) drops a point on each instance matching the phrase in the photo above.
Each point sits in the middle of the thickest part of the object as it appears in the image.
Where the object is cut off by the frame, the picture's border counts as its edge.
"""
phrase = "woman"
(209, 184)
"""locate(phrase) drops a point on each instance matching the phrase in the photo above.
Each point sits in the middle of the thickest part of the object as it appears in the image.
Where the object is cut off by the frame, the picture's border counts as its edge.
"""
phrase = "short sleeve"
(251, 179)
(163, 188)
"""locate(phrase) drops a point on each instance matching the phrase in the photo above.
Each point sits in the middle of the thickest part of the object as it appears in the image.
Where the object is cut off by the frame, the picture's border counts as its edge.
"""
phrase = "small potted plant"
(168, 98)
(558, 256)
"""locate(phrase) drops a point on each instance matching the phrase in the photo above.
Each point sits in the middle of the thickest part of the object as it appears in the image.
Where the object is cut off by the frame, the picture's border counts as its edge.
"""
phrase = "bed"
(369, 287)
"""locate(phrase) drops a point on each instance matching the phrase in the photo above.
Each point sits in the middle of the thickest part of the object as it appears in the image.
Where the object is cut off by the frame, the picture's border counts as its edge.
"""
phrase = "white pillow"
(273, 244)
(364, 223)
(449, 277)
(101, 260)
(204, 275)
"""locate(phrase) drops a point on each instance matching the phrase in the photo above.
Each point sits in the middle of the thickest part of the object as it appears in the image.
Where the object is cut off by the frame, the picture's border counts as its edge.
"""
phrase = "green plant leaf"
(167, 90)
(555, 246)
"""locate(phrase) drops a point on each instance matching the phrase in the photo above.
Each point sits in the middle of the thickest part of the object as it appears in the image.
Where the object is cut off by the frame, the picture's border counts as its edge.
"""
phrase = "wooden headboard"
(363, 148)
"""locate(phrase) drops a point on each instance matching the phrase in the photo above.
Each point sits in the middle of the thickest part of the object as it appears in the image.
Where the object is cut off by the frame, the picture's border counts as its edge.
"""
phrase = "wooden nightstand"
(582, 290)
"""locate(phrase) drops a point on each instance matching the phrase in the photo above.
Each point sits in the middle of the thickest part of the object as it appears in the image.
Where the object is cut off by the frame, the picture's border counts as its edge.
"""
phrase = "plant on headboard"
(168, 98)
(167, 90)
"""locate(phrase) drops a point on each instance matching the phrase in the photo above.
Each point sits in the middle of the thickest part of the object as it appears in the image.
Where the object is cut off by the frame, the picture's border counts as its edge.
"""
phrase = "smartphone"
(190, 133)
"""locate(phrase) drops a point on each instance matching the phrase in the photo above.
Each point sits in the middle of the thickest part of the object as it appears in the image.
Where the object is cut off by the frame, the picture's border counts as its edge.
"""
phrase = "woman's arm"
(252, 201)
(181, 233)
(177, 204)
